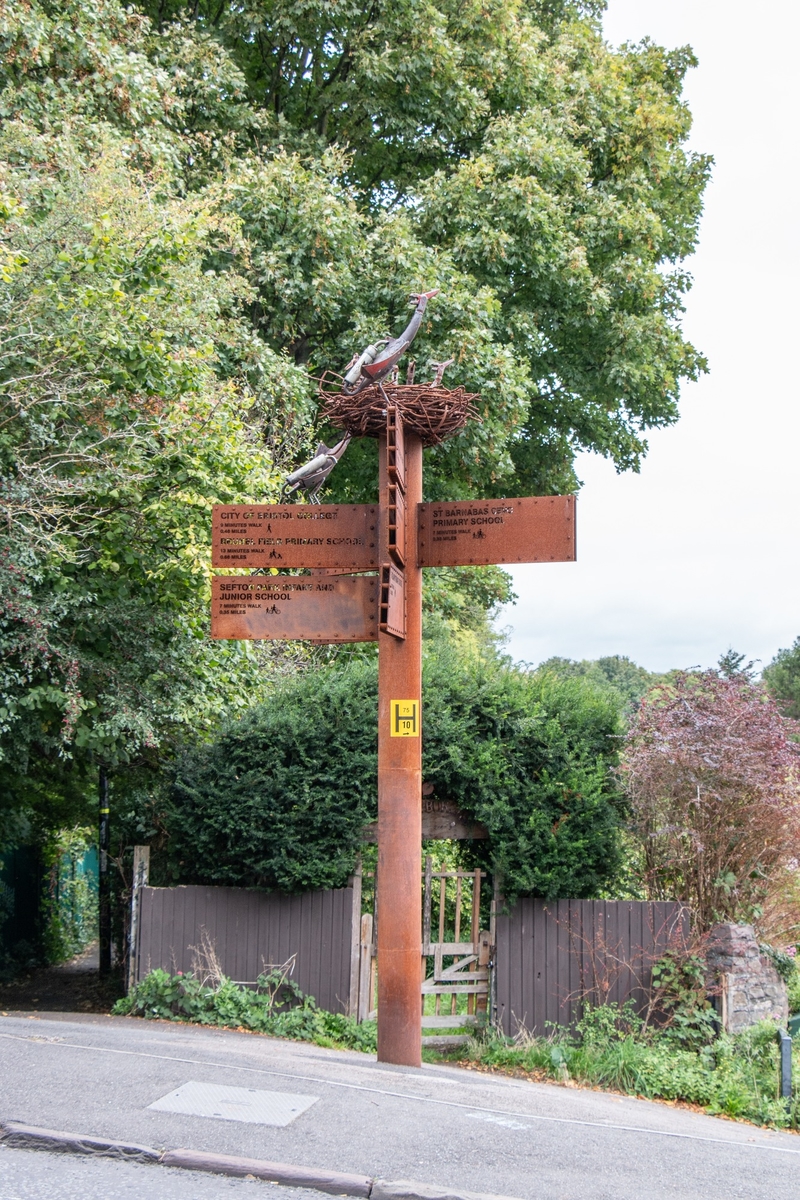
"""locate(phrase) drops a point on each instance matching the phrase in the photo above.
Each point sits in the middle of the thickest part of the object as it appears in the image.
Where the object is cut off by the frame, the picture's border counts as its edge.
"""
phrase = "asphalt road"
(440, 1125)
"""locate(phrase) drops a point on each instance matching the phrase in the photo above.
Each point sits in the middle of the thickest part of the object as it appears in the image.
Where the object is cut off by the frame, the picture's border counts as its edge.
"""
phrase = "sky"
(699, 552)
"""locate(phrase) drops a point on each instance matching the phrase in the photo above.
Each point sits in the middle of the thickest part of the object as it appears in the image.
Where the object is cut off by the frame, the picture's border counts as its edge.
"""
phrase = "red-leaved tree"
(713, 778)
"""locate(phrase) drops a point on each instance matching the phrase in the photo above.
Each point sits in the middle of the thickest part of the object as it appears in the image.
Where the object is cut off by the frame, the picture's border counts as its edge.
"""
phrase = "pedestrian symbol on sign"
(404, 718)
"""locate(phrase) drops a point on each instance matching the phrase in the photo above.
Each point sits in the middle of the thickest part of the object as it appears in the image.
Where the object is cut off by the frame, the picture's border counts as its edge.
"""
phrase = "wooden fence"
(552, 956)
(251, 930)
(549, 957)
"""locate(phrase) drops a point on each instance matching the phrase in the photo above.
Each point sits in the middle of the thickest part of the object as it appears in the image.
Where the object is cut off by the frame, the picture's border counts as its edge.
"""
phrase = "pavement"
(459, 1130)
(75, 986)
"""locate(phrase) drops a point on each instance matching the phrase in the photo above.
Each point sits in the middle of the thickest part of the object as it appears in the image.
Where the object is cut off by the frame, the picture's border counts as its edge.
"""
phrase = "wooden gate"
(456, 952)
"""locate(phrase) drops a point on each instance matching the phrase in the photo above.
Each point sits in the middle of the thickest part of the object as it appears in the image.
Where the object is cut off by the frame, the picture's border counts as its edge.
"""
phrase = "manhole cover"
(234, 1103)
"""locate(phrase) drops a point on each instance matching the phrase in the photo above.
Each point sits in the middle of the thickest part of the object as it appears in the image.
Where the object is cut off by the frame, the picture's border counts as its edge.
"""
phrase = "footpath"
(187, 1096)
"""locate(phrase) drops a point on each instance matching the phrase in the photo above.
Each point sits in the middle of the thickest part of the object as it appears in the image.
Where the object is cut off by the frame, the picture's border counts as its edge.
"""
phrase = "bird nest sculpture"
(434, 413)
(359, 400)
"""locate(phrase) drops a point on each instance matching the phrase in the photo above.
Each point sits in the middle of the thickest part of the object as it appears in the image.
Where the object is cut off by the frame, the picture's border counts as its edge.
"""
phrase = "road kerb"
(21, 1136)
(31, 1137)
(337, 1182)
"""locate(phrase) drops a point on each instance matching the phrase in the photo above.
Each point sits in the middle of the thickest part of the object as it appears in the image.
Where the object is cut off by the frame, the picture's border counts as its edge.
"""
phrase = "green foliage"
(733, 665)
(733, 1076)
(793, 988)
(204, 207)
(678, 985)
(783, 962)
(126, 381)
(465, 597)
(503, 150)
(276, 1006)
(782, 677)
(328, 278)
(279, 799)
(70, 907)
(528, 755)
(617, 671)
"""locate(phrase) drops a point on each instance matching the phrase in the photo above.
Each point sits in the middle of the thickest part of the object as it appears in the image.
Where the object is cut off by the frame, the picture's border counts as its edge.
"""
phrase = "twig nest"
(433, 413)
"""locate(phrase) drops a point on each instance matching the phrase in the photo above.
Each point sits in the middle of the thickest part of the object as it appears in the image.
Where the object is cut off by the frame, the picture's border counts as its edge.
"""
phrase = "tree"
(782, 678)
(616, 671)
(126, 378)
(204, 208)
(711, 773)
(504, 151)
(280, 797)
(732, 664)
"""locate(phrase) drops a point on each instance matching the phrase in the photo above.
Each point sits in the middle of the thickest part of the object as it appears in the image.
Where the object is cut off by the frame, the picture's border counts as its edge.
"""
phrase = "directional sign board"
(466, 532)
(330, 608)
(296, 535)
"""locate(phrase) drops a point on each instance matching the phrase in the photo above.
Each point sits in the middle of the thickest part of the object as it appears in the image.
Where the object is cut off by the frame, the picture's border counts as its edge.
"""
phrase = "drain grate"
(234, 1103)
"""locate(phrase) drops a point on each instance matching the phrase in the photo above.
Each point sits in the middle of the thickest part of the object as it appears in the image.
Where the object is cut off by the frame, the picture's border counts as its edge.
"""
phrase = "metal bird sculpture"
(440, 368)
(379, 359)
(376, 363)
(312, 476)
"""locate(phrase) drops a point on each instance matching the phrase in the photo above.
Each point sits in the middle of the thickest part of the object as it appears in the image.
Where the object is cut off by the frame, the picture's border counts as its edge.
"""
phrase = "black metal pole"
(104, 879)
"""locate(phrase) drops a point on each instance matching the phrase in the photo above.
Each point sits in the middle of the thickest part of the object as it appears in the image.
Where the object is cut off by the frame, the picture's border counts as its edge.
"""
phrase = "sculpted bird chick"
(440, 368)
(379, 359)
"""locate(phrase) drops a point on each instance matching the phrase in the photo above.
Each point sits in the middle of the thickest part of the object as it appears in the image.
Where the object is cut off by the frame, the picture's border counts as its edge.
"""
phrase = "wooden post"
(400, 791)
(483, 962)
(365, 969)
(355, 882)
(426, 923)
(141, 873)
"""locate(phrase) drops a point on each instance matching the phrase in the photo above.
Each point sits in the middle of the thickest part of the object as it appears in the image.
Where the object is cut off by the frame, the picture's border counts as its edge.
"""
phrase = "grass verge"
(733, 1076)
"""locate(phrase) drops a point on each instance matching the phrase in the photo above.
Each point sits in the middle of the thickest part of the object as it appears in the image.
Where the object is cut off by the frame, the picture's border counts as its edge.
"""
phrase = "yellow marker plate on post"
(404, 716)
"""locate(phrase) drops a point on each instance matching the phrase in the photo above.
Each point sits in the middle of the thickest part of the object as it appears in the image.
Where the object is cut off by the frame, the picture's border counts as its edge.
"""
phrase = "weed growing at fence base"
(732, 1076)
(275, 1006)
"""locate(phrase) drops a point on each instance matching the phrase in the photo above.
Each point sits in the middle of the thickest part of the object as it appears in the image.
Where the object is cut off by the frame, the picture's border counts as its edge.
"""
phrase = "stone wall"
(749, 987)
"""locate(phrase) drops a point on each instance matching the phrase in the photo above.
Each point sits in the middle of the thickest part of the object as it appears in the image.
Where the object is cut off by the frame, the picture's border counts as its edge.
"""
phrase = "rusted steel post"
(400, 794)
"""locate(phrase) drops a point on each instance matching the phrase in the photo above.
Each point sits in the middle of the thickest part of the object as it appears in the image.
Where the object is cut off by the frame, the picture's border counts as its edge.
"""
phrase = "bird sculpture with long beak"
(372, 366)
(311, 477)
(375, 363)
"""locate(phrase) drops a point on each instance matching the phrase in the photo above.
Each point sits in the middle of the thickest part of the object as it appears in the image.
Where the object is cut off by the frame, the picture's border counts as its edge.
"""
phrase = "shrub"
(679, 1001)
(711, 772)
(279, 800)
(529, 755)
(276, 1006)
